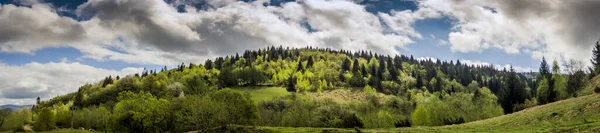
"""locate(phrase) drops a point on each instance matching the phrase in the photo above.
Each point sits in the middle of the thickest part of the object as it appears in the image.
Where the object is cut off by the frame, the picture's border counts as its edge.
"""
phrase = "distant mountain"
(14, 107)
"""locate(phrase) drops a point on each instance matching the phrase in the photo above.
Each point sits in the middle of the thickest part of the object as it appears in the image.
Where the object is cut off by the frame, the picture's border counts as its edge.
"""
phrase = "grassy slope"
(589, 87)
(580, 114)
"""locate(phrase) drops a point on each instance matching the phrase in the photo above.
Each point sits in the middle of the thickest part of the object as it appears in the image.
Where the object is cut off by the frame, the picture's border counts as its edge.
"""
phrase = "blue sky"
(46, 42)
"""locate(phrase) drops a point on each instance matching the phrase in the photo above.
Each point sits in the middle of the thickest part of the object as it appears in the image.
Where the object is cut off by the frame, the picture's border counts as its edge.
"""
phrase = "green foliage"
(45, 120)
(357, 80)
(303, 85)
(62, 115)
(97, 118)
(4, 113)
(17, 119)
(575, 82)
(336, 116)
(237, 108)
(141, 112)
(426, 113)
(369, 90)
(595, 69)
(560, 87)
(543, 91)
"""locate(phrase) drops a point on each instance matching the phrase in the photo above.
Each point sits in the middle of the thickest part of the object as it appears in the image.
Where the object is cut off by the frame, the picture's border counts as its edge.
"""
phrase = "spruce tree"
(346, 65)
(545, 69)
(310, 62)
(300, 67)
(595, 69)
(355, 65)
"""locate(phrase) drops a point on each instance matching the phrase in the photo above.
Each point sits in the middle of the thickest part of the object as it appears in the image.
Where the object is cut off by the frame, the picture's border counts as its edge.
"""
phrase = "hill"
(14, 107)
(291, 87)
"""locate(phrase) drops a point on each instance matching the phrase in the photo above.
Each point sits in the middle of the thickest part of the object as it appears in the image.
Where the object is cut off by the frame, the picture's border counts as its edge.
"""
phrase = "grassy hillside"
(589, 87)
(580, 114)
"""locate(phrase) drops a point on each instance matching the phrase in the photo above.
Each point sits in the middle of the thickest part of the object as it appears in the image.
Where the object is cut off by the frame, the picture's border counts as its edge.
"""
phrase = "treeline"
(393, 91)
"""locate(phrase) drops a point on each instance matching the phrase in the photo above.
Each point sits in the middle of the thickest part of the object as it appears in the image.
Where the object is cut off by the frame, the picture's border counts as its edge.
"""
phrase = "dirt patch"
(344, 95)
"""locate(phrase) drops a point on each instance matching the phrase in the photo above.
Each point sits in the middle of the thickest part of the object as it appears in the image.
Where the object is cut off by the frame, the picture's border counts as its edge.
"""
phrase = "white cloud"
(443, 42)
(552, 28)
(497, 66)
(22, 84)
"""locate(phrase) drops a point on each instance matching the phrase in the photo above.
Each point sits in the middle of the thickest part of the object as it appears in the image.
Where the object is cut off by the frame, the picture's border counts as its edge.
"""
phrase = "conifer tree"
(346, 65)
(300, 67)
(355, 65)
(595, 68)
(310, 62)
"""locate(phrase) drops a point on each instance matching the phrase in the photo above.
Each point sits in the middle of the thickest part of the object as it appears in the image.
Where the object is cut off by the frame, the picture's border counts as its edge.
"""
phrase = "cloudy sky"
(51, 47)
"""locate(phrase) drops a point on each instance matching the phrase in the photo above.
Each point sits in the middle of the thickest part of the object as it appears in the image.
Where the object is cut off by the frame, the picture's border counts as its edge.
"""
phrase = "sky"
(51, 47)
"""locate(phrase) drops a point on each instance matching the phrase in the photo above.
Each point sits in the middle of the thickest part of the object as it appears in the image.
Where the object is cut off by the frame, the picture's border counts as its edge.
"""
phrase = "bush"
(16, 120)
(597, 90)
(402, 123)
(45, 120)
(336, 116)
(141, 112)
(216, 109)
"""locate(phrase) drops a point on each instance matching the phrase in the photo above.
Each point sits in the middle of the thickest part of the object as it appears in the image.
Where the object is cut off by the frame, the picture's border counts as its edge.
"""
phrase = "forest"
(327, 88)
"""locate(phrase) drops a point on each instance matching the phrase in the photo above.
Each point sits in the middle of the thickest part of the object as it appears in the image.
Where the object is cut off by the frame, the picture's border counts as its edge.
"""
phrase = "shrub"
(402, 123)
(45, 120)
(336, 116)
(597, 90)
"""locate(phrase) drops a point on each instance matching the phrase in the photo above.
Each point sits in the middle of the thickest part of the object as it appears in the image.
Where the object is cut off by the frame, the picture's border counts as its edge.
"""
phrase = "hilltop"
(14, 107)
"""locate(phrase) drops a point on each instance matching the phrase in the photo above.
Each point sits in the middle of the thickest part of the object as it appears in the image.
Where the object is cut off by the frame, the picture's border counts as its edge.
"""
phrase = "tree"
(513, 93)
(346, 65)
(357, 80)
(235, 107)
(300, 67)
(45, 120)
(549, 95)
(576, 76)
(544, 69)
(4, 113)
(575, 82)
(595, 68)
(310, 62)
(291, 84)
(355, 65)
(141, 112)
(555, 67)
(227, 77)
(543, 91)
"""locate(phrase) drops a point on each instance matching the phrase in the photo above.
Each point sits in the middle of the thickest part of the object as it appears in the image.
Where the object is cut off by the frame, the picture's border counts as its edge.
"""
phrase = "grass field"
(580, 114)
(264, 93)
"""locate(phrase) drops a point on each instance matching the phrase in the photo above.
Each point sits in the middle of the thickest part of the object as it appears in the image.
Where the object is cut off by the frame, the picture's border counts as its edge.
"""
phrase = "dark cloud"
(581, 22)
(25, 29)
(140, 20)
(578, 21)
(223, 37)
(23, 93)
